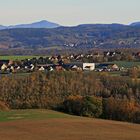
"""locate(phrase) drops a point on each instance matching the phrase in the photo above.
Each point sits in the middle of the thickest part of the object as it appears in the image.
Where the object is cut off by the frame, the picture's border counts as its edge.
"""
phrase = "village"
(95, 61)
(81, 62)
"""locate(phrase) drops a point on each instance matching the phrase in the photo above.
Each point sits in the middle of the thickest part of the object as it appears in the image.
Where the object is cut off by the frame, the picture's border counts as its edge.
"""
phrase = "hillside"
(137, 24)
(2, 27)
(82, 36)
(40, 24)
(50, 125)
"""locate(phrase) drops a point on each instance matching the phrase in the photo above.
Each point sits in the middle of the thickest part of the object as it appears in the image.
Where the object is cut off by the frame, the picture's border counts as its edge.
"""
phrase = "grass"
(126, 64)
(17, 57)
(51, 125)
(29, 115)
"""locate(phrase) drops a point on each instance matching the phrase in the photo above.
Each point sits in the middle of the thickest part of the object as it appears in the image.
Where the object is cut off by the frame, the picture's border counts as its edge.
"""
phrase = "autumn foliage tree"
(119, 109)
(83, 106)
(82, 93)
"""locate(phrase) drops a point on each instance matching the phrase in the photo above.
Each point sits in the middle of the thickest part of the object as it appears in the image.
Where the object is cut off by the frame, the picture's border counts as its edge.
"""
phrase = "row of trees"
(53, 89)
(97, 107)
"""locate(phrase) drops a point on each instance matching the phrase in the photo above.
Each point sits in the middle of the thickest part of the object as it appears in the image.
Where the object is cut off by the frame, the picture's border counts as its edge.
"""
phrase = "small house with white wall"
(89, 66)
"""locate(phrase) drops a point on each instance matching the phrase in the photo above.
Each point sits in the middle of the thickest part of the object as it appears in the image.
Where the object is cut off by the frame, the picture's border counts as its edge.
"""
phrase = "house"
(32, 67)
(8, 62)
(108, 67)
(50, 68)
(4, 64)
(4, 67)
(89, 66)
(41, 68)
(79, 66)
(109, 54)
(75, 68)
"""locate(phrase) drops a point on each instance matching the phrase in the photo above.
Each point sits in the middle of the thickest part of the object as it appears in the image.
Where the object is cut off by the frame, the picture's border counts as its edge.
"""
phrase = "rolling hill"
(136, 24)
(51, 125)
(82, 36)
(2, 27)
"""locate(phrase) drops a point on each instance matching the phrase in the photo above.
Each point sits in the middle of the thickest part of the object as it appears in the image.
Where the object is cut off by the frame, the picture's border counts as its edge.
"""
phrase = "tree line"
(81, 93)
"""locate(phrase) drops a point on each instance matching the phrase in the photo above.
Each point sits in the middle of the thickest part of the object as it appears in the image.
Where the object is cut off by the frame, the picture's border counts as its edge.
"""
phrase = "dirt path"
(69, 129)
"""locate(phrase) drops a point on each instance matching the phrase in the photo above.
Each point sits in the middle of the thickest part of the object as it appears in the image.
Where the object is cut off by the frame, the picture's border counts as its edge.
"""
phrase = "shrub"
(119, 109)
(83, 106)
(92, 107)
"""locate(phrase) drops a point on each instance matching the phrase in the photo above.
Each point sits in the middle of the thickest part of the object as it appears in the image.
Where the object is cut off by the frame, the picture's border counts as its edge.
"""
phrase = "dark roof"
(104, 65)
(4, 61)
(67, 66)
(70, 65)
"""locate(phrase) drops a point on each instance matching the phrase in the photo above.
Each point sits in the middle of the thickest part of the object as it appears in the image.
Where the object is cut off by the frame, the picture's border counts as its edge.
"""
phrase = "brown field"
(73, 128)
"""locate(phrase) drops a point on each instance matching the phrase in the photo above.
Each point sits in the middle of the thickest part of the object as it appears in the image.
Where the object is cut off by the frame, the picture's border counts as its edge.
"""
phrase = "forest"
(89, 94)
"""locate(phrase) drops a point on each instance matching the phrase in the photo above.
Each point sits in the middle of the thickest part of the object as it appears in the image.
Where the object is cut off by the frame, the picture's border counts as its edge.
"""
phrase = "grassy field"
(126, 64)
(51, 125)
(30, 114)
(17, 57)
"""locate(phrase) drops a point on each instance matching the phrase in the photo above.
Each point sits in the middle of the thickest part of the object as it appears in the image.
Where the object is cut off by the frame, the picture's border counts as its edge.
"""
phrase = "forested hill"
(82, 36)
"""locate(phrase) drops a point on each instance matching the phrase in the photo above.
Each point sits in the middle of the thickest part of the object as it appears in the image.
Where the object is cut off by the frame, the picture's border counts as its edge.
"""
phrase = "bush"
(137, 117)
(83, 106)
(73, 105)
(120, 109)
(92, 107)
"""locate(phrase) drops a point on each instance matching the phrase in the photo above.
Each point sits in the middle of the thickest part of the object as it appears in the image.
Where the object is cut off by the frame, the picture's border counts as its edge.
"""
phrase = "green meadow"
(30, 114)
(126, 64)
(18, 57)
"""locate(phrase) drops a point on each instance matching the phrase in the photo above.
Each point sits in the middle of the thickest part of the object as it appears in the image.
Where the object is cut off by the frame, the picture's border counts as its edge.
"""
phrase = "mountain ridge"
(135, 24)
(40, 24)
(48, 24)
(85, 36)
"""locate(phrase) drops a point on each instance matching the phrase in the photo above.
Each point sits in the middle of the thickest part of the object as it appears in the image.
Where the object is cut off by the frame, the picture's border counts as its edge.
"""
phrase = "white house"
(4, 67)
(41, 68)
(89, 66)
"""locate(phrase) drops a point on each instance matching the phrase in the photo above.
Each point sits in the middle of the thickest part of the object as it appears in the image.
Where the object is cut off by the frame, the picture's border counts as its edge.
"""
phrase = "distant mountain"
(2, 27)
(82, 36)
(135, 24)
(102, 25)
(40, 24)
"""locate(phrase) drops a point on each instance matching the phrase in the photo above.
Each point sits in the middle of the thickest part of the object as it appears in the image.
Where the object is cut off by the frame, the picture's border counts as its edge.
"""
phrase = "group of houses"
(7, 66)
(107, 67)
(10, 67)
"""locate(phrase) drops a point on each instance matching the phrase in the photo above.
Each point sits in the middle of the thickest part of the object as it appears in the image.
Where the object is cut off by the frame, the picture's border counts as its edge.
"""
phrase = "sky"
(69, 12)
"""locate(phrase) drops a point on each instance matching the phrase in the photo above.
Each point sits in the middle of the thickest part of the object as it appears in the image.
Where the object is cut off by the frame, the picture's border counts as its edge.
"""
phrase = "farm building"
(79, 66)
(108, 66)
(89, 66)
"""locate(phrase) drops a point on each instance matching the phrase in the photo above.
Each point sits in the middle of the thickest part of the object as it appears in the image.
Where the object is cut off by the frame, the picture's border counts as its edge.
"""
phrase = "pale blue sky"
(69, 12)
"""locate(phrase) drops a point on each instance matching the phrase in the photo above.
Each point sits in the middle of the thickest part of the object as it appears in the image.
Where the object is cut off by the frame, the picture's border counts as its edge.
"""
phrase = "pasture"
(51, 125)
(18, 57)
(29, 114)
(126, 64)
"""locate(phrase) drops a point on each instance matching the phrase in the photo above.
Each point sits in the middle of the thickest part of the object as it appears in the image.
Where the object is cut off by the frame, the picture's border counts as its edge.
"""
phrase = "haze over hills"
(48, 24)
(2, 27)
(34, 36)
(40, 24)
(135, 24)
